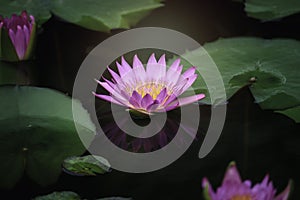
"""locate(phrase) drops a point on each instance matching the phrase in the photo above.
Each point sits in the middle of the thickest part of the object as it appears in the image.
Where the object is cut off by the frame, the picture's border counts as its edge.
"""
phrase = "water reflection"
(114, 131)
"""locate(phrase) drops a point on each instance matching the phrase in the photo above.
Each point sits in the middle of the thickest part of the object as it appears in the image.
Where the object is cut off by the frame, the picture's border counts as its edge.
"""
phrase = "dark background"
(259, 141)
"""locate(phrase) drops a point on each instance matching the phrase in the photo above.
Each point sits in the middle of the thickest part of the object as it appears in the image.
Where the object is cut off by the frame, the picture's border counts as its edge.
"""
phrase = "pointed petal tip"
(284, 195)
(232, 167)
(99, 82)
(177, 61)
(232, 163)
(152, 59)
(232, 174)
(205, 182)
(200, 96)
(162, 57)
(24, 12)
(11, 32)
(137, 62)
(265, 182)
(32, 19)
(180, 68)
(162, 60)
(123, 59)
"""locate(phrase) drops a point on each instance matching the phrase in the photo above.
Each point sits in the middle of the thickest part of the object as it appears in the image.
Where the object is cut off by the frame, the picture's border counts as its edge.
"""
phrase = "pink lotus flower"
(20, 30)
(234, 189)
(154, 89)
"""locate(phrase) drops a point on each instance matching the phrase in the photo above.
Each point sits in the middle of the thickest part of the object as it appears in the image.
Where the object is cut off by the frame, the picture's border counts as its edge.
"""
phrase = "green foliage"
(38, 133)
(99, 15)
(86, 165)
(271, 9)
(293, 113)
(268, 67)
(105, 14)
(66, 195)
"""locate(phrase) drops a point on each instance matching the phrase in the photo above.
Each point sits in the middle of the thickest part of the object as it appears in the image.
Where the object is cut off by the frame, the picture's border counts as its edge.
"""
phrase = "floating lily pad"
(271, 9)
(38, 133)
(293, 113)
(269, 67)
(103, 15)
(59, 196)
(96, 15)
(86, 165)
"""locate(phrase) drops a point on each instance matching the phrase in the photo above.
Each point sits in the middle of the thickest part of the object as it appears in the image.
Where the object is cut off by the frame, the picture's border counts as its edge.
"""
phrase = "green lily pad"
(269, 67)
(293, 113)
(86, 165)
(38, 132)
(59, 196)
(271, 9)
(103, 15)
(67, 195)
(96, 15)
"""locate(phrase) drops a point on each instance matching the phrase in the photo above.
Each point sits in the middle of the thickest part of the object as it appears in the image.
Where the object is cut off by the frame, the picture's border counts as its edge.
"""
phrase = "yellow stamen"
(241, 197)
(150, 88)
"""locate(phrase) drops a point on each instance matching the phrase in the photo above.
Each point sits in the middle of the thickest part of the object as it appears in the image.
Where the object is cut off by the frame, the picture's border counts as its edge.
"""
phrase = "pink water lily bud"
(17, 35)
(233, 188)
(149, 89)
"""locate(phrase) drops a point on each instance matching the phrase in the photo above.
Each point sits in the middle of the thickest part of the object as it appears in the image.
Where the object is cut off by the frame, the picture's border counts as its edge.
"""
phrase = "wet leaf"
(59, 196)
(38, 133)
(293, 113)
(271, 9)
(86, 165)
(269, 67)
(103, 15)
(96, 15)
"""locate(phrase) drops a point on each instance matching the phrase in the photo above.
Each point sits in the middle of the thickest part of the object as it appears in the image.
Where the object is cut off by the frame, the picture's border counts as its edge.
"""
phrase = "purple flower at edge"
(233, 188)
(21, 30)
(154, 89)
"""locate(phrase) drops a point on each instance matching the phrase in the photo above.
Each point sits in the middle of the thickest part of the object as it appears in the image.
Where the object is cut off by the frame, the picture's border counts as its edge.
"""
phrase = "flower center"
(241, 197)
(150, 88)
